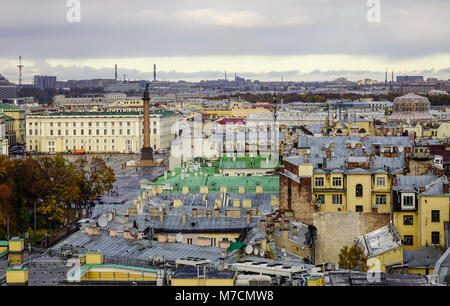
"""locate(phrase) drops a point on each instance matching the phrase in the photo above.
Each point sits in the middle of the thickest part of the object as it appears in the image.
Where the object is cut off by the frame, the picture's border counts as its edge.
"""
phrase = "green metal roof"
(9, 107)
(4, 243)
(132, 113)
(235, 246)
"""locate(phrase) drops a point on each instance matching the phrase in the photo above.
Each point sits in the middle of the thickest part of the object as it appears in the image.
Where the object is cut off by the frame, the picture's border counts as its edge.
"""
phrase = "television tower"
(154, 72)
(20, 66)
(115, 74)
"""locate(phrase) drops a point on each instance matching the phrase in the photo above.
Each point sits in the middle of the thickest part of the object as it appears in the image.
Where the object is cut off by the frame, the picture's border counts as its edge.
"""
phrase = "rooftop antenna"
(20, 66)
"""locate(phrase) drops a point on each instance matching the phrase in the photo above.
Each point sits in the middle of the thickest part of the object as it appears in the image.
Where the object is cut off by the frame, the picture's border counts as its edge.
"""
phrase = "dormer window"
(408, 201)
(381, 181)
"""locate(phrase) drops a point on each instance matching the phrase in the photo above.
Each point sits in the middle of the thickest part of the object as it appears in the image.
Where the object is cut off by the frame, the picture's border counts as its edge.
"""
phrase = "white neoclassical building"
(97, 132)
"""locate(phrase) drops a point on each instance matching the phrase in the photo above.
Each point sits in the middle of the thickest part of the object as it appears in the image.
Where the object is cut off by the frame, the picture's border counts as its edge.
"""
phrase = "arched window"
(362, 131)
(359, 190)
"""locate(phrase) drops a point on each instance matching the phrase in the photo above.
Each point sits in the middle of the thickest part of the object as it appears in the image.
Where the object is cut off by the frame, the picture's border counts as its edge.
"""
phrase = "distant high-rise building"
(44, 81)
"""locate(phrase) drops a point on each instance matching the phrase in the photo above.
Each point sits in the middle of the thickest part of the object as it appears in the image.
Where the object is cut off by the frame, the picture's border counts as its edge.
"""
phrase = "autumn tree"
(60, 183)
(95, 178)
(350, 258)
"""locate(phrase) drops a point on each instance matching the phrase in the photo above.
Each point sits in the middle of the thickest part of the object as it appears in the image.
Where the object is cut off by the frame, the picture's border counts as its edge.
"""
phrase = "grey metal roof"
(138, 249)
(380, 241)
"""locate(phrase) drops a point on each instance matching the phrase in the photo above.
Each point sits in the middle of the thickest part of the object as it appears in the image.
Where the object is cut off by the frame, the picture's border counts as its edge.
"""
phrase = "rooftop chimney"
(446, 188)
(262, 224)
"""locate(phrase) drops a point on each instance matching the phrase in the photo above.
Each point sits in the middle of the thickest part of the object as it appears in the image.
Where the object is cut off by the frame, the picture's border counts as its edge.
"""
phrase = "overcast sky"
(301, 40)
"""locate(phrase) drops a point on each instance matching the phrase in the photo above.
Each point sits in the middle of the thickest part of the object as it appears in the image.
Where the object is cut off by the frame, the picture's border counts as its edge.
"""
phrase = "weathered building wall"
(296, 197)
(338, 229)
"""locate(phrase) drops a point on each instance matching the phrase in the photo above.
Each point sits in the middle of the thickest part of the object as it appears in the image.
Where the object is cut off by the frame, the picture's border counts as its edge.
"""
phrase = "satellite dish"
(255, 251)
(179, 237)
(283, 250)
(262, 253)
(109, 216)
(249, 249)
(102, 221)
(134, 232)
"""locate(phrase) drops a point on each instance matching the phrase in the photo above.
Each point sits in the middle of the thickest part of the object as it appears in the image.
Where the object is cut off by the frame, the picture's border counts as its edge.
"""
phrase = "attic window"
(193, 224)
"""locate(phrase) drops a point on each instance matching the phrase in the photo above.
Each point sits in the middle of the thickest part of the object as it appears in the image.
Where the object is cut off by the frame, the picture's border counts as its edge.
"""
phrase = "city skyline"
(265, 40)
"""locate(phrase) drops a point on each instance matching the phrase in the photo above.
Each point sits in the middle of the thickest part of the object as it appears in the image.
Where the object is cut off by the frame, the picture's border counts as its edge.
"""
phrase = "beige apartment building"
(97, 132)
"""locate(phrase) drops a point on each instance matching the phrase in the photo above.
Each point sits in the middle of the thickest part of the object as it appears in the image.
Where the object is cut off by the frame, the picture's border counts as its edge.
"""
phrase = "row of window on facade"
(66, 124)
(82, 132)
(336, 199)
(337, 182)
(435, 239)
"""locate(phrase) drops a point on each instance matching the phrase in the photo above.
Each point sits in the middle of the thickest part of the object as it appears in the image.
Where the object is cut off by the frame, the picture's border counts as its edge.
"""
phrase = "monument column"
(147, 152)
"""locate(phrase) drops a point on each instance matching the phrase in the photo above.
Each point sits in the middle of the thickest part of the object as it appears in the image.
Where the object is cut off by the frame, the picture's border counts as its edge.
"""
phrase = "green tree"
(350, 258)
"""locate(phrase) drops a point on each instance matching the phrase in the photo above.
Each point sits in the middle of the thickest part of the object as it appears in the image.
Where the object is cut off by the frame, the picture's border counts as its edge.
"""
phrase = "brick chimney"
(446, 188)
(194, 212)
(262, 224)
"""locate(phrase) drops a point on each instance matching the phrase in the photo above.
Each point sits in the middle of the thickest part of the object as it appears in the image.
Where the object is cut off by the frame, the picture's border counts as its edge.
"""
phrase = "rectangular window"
(31, 132)
(51, 132)
(380, 199)
(381, 181)
(321, 198)
(408, 220)
(435, 216)
(337, 199)
(74, 132)
(408, 240)
(435, 238)
(337, 181)
(154, 131)
(408, 201)
(359, 208)
(318, 181)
